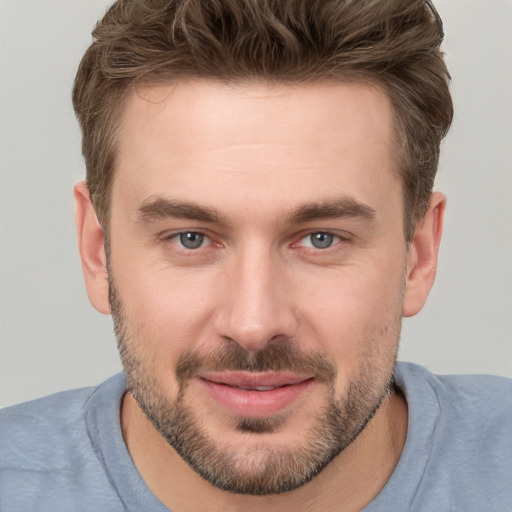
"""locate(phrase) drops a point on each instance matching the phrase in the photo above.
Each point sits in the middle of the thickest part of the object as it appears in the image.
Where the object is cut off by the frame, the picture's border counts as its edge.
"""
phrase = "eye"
(319, 240)
(191, 240)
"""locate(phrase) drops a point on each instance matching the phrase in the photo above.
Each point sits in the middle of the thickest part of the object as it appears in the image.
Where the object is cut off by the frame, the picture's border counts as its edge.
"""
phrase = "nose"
(256, 307)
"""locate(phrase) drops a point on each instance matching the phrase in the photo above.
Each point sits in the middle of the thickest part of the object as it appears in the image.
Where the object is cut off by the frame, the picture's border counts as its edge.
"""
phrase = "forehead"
(290, 112)
(205, 138)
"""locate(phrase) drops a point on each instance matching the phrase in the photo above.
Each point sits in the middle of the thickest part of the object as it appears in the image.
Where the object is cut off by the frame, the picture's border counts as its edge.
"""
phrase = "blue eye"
(319, 240)
(191, 240)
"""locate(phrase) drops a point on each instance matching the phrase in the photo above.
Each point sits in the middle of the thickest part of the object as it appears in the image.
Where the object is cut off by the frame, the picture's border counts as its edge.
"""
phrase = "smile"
(254, 394)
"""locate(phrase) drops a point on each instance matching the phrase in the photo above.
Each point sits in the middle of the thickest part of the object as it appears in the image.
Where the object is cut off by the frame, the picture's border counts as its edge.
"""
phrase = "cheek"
(167, 311)
(354, 312)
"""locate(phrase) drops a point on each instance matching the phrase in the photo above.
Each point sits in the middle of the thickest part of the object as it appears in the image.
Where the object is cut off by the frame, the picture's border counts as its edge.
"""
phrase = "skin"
(257, 154)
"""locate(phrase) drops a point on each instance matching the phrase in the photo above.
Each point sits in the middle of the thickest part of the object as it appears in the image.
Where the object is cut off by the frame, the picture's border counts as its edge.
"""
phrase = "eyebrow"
(158, 208)
(161, 208)
(332, 209)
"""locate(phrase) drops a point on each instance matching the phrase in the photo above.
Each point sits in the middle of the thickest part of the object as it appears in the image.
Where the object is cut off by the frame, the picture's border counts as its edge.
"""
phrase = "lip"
(238, 393)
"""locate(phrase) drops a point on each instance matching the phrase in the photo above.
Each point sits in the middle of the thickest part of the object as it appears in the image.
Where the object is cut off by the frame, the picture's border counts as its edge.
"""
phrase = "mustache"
(279, 356)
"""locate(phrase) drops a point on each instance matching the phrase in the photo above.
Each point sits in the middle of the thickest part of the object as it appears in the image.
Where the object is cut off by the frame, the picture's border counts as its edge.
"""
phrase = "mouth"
(249, 394)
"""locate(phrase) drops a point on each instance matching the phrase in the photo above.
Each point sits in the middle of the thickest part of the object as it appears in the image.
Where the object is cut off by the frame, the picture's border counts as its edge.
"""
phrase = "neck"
(348, 483)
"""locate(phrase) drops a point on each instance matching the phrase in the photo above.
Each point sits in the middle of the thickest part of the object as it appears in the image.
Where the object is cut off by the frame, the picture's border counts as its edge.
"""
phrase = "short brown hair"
(394, 43)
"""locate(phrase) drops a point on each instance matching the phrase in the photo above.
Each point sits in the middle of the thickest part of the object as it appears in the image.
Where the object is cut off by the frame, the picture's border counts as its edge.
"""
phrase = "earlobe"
(422, 256)
(91, 244)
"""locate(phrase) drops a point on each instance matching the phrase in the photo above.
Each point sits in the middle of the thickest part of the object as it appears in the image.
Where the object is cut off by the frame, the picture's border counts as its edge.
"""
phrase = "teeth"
(258, 388)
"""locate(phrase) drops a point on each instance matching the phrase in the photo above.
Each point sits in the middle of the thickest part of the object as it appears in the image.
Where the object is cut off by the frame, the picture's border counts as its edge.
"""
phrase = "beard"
(265, 467)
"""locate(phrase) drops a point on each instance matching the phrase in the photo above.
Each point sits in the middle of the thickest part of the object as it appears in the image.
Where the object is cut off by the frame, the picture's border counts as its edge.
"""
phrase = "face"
(257, 267)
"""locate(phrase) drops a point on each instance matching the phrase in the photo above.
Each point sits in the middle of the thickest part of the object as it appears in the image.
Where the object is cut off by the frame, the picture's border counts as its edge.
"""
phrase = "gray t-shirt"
(66, 452)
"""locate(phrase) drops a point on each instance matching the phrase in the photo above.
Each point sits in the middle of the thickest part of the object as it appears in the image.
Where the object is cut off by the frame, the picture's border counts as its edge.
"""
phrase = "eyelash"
(336, 240)
(175, 237)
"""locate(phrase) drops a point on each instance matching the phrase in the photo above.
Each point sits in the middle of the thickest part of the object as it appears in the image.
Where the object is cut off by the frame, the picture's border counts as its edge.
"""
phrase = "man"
(258, 216)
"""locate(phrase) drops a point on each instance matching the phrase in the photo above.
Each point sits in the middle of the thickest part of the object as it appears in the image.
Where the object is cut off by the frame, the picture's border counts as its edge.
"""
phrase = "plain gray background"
(52, 339)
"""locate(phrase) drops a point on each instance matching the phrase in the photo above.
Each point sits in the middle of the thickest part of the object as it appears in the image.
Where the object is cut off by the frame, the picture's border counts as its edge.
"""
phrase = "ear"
(91, 243)
(422, 256)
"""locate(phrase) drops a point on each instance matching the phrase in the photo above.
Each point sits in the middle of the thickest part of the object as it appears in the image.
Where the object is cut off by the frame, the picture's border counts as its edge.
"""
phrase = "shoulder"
(43, 433)
(476, 397)
(48, 458)
(460, 426)
(35, 434)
